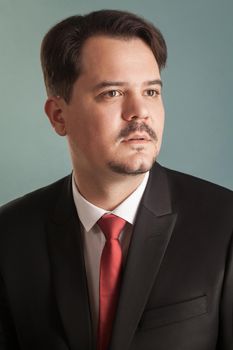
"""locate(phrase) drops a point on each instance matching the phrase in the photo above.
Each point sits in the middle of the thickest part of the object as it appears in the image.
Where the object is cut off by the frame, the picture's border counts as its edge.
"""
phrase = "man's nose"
(134, 108)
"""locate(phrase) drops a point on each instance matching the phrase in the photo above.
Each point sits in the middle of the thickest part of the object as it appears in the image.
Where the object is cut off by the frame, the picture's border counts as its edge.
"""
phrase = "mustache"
(133, 127)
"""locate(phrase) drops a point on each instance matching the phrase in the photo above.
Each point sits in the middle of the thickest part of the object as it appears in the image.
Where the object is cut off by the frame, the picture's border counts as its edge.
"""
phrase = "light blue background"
(198, 89)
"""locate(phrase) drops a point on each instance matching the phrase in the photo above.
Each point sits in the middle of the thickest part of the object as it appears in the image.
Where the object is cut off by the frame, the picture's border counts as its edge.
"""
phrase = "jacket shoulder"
(37, 201)
(199, 191)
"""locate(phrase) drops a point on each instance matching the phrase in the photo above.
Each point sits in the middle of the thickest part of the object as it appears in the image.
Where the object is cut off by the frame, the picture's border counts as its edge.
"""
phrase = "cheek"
(158, 120)
(92, 135)
(160, 130)
(94, 123)
(161, 123)
(106, 123)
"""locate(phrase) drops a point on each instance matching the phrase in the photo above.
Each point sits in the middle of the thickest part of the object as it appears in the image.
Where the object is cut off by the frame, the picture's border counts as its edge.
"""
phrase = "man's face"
(114, 120)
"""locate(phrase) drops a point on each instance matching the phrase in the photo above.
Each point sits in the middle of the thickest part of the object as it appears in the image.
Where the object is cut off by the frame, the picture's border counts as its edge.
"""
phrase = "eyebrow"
(108, 83)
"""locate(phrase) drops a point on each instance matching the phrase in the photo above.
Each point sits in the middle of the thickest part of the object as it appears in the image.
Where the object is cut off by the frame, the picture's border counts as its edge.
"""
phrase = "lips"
(137, 137)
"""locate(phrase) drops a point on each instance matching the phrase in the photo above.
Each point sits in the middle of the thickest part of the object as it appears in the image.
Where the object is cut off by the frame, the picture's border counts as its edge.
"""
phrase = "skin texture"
(114, 119)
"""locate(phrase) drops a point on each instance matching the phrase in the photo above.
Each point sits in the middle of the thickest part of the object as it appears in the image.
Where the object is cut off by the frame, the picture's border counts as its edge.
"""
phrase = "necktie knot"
(111, 226)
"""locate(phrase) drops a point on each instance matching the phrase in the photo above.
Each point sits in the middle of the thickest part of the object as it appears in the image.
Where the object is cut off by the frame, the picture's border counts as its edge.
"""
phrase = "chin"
(131, 168)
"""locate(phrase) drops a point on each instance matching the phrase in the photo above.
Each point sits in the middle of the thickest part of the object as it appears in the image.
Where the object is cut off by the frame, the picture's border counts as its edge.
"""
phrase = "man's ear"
(53, 109)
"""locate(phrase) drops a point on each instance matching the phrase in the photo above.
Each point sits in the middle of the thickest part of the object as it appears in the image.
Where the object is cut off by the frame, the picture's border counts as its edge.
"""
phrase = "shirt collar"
(89, 214)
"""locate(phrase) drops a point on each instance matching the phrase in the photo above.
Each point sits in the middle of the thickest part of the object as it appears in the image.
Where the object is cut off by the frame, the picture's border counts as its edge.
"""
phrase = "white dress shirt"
(94, 239)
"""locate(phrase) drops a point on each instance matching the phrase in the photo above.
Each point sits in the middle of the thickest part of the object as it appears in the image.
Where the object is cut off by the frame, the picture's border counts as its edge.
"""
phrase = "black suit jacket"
(177, 289)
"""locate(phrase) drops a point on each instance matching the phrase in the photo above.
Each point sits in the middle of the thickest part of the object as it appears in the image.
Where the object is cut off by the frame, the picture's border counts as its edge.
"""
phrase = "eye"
(111, 93)
(152, 92)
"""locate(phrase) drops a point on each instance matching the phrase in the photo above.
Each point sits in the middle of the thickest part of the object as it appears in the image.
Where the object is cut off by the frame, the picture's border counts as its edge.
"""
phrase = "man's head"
(61, 50)
(102, 73)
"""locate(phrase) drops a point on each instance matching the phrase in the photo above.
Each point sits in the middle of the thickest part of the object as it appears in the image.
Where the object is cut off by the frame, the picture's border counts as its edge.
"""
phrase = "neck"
(109, 192)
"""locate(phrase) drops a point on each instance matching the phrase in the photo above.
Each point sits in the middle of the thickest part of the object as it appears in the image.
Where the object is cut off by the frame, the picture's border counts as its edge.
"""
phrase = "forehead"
(104, 54)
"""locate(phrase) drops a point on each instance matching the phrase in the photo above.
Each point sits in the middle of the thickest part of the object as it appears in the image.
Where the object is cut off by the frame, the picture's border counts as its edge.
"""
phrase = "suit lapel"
(152, 232)
(68, 271)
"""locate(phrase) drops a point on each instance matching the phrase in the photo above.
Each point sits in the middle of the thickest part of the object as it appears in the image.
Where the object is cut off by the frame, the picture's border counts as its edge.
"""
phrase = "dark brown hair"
(62, 45)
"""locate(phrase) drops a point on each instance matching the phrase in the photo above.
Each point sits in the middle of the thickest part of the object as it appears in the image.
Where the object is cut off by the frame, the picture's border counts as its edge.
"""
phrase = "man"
(165, 280)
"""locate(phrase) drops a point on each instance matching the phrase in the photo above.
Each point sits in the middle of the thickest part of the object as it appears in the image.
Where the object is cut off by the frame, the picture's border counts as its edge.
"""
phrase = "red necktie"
(110, 273)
